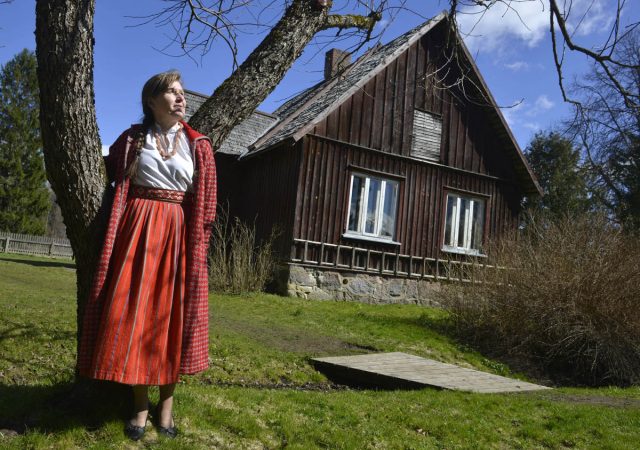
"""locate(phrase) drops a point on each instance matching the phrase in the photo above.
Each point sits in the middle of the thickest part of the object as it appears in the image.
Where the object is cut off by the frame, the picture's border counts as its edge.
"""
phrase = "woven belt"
(163, 195)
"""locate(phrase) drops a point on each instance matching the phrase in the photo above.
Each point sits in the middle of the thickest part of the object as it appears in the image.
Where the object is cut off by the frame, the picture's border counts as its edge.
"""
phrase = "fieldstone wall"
(322, 284)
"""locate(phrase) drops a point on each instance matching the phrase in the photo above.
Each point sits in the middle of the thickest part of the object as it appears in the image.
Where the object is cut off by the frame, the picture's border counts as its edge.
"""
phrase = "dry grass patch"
(567, 304)
(238, 261)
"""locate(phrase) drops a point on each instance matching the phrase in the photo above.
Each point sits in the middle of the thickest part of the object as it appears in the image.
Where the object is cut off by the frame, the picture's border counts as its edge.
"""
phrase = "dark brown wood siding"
(380, 114)
(303, 189)
(322, 199)
(261, 190)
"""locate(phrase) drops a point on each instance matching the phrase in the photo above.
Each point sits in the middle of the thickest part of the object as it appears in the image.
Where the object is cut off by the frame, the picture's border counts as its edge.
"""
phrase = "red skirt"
(140, 336)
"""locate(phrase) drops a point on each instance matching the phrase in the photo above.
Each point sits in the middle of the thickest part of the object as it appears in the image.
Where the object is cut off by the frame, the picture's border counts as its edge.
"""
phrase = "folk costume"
(146, 319)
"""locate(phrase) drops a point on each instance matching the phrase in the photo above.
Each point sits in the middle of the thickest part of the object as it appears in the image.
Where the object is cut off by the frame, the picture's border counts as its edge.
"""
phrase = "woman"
(146, 320)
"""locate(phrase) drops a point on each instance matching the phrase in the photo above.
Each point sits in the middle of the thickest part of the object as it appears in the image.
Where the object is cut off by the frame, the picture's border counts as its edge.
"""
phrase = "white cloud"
(527, 22)
(543, 103)
(517, 66)
(523, 112)
(589, 17)
(105, 150)
(495, 28)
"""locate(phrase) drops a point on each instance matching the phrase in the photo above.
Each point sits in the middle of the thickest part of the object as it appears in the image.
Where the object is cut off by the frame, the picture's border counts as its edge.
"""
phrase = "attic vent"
(427, 134)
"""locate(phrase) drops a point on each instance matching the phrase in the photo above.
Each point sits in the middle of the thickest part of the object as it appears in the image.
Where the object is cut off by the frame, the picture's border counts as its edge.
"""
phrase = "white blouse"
(175, 173)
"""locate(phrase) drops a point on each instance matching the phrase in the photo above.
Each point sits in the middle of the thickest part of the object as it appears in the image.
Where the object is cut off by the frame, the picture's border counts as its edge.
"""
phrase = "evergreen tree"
(556, 164)
(24, 198)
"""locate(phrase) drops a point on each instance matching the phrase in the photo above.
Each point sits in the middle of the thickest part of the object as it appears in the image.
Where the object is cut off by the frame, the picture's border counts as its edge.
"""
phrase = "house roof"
(194, 102)
(299, 115)
(247, 132)
(244, 134)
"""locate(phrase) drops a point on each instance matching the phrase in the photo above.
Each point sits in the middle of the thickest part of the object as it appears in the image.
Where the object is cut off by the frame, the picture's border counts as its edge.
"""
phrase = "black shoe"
(133, 432)
(170, 432)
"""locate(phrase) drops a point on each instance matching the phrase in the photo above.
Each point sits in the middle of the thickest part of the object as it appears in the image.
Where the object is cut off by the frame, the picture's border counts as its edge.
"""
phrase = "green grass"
(261, 391)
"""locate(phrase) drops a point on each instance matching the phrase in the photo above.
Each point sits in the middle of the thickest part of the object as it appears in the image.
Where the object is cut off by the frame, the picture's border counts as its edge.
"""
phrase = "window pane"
(478, 225)
(356, 200)
(389, 212)
(372, 205)
(448, 228)
(463, 221)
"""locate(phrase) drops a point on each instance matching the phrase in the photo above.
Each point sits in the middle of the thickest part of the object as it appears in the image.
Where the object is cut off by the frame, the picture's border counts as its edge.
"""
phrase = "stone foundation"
(322, 284)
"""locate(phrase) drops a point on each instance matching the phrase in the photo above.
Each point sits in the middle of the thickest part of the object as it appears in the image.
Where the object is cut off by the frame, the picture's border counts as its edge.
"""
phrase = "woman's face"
(169, 107)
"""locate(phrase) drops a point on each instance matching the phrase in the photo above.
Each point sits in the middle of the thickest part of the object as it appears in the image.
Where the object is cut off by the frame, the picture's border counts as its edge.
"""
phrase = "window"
(372, 207)
(464, 224)
(427, 132)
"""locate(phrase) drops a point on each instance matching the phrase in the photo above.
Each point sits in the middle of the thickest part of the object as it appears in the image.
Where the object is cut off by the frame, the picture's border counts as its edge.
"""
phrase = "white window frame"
(467, 227)
(361, 232)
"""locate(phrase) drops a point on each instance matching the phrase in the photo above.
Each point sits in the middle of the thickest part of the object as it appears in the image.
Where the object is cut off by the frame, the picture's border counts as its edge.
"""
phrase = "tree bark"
(240, 94)
(71, 144)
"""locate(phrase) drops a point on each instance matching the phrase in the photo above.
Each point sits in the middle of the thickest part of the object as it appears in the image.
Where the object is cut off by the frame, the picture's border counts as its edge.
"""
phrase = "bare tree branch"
(238, 96)
(197, 24)
(563, 36)
(604, 60)
(351, 21)
(600, 57)
(558, 61)
(607, 126)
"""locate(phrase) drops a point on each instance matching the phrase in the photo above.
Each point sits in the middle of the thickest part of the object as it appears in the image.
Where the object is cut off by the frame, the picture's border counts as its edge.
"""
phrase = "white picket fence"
(35, 245)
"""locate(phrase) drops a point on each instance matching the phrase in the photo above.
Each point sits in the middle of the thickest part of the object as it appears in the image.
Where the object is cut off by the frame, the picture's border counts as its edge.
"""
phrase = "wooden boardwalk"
(401, 370)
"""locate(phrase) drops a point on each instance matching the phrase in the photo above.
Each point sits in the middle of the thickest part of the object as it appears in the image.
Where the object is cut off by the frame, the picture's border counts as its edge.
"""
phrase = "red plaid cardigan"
(195, 337)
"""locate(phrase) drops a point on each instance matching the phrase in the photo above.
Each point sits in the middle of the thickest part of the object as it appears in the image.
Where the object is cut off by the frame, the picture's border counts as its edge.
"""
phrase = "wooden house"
(383, 176)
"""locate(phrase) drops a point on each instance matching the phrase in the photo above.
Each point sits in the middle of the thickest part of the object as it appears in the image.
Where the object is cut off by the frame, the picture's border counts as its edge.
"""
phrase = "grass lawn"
(261, 391)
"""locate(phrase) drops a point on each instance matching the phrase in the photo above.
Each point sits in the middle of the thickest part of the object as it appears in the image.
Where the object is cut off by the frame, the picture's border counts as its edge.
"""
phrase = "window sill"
(362, 237)
(463, 251)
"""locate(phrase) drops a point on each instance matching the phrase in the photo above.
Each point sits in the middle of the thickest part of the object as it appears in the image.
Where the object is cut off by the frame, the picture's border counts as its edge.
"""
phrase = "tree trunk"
(72, 150)
(240, 94)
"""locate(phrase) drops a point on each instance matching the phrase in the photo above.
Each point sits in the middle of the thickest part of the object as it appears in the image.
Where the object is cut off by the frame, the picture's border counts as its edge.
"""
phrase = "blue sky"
(511, 47)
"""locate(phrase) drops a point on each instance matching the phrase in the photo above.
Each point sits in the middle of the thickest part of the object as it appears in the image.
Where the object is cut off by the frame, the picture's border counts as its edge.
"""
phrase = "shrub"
(562, 296)
(237, 262)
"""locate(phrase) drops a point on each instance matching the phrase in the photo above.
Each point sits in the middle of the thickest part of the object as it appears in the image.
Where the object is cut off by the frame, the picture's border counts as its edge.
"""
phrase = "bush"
(237, 262)
(563, 296)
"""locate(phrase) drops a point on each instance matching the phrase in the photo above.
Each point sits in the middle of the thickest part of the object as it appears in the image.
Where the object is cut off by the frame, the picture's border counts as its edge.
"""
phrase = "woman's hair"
(155, 86)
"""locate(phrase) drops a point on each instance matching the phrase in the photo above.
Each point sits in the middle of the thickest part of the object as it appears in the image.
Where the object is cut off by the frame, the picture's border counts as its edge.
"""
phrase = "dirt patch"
(290, 339)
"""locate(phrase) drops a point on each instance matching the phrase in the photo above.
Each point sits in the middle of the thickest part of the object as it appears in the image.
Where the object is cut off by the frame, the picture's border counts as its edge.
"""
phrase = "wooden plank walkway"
(401, 370)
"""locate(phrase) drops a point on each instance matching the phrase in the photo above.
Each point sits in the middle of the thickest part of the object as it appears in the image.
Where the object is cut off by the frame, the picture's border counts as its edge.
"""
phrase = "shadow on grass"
(288, 338)
(67, 264)
(16, 330)
(86, 404)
